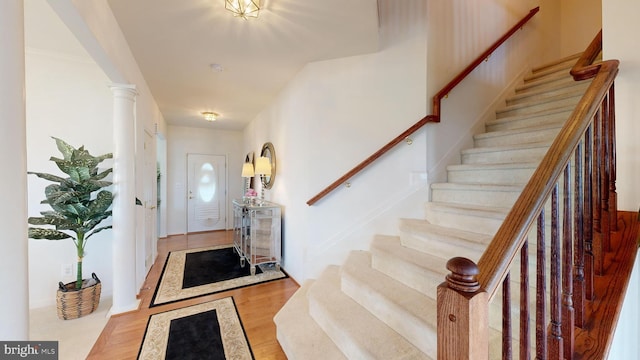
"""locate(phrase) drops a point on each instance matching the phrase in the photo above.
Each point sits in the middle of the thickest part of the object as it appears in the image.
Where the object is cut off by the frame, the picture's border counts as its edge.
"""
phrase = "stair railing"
(573, 189)
(434, 117)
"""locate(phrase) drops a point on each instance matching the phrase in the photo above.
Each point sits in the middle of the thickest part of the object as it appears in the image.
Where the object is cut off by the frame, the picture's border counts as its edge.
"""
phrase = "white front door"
(206, 193)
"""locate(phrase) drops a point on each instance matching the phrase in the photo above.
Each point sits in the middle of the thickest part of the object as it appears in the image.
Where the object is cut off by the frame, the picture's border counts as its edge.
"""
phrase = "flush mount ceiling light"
(243, 8)
(210, 116)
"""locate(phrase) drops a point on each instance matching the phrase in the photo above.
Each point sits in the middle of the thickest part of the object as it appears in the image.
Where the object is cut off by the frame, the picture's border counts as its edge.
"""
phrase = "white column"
(14, 268)
(124, 208)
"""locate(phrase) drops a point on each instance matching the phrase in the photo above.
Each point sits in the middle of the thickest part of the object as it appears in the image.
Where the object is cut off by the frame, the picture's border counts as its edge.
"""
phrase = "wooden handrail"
(437, 99)
(370, 159)
(584, 68)
(499, 255)
(434, 117)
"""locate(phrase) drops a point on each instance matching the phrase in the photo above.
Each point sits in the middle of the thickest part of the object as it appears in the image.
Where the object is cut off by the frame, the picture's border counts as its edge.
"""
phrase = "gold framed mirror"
(269, 152)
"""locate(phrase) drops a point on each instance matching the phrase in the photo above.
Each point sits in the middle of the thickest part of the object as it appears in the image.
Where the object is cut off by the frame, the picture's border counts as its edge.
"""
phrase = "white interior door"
(206, 194)
(150, 203)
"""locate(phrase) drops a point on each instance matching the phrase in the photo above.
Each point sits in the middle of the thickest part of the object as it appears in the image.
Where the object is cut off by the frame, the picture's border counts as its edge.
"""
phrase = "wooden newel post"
(463, 319)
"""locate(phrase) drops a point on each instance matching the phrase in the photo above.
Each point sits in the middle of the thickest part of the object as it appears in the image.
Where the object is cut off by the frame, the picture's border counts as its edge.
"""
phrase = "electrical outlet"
(67, 270)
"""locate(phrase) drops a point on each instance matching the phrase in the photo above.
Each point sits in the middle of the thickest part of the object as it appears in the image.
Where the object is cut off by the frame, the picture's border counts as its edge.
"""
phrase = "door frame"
(225, 199)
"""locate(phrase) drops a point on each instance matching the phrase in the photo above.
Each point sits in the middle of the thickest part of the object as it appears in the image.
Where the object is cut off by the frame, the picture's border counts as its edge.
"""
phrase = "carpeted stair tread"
(476, 187)
(475, 194)
(407, 311)
(486, 149)
(528, 152)
(493, 212)
(546, 116)
(535, 105)
(420, 271)
(497, 174)
(420, 226)
(568, 92)
(299, 335)
(559, 65)
(530, 134)
(482, 219)
(357, 332)
(557, 80)
(547, 92)
(420, 235)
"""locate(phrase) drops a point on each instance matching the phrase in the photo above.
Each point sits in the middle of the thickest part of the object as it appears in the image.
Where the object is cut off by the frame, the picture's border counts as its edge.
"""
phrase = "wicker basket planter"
(73, 303)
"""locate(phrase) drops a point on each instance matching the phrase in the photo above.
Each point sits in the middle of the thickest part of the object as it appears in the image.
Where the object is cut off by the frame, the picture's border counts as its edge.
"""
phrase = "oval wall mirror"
(269, 152)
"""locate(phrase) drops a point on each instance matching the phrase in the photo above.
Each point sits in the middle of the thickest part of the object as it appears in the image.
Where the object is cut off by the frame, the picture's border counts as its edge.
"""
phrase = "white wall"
(185, 140)
(625, 338)
(67, 97)
(619, 22)
(581, 21)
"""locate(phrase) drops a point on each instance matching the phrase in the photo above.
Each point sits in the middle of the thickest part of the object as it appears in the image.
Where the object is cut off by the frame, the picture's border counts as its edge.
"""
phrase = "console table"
(256, 233)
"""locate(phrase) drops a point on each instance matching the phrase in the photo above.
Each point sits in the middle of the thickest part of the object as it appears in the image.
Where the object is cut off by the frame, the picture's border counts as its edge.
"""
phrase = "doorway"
(206, 193)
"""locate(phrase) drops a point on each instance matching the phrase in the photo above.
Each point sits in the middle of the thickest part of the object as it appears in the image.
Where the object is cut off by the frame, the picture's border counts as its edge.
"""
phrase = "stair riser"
(420, 334)
(523, 122)
(475, 197)
(532, 154)
(477, 224)
(354, 330)
(298, 334)
(433, 244)
(341, 338)
(490, 176)
(408, 274)
(541, 135)
(532, 108)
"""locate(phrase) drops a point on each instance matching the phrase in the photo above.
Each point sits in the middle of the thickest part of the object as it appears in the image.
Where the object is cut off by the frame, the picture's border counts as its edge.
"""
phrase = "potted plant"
(79, 203)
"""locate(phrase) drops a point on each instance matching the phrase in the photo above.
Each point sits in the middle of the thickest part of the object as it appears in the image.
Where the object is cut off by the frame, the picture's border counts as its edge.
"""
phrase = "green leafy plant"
(79, 202)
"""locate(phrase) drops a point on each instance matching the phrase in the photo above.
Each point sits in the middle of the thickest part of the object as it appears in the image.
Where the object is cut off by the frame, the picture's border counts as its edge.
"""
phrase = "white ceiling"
(176, 41)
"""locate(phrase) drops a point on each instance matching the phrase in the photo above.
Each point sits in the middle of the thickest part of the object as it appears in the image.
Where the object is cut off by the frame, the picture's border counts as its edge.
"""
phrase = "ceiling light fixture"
(210, 116)
(243, 8)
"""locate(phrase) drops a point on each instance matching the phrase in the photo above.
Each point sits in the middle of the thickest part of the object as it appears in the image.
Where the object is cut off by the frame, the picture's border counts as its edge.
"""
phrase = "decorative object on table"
(182, 276)
(79, 204)
(211, 330)
(250, 196)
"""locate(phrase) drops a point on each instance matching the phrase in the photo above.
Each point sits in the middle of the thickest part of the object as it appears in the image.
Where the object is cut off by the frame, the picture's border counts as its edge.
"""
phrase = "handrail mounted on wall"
(434, 117)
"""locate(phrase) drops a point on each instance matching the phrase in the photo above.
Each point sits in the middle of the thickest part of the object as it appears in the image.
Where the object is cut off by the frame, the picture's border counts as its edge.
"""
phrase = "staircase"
(381, 304)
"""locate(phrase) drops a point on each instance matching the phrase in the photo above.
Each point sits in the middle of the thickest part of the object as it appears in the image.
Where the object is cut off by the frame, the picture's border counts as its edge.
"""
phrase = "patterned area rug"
(198, 272)
(210, 330)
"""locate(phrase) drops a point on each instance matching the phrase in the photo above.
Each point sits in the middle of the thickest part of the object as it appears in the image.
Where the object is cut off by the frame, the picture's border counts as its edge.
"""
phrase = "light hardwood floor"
(257, 305)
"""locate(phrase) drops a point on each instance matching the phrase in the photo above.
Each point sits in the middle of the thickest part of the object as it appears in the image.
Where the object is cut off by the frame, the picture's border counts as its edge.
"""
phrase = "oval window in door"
(207, 182)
